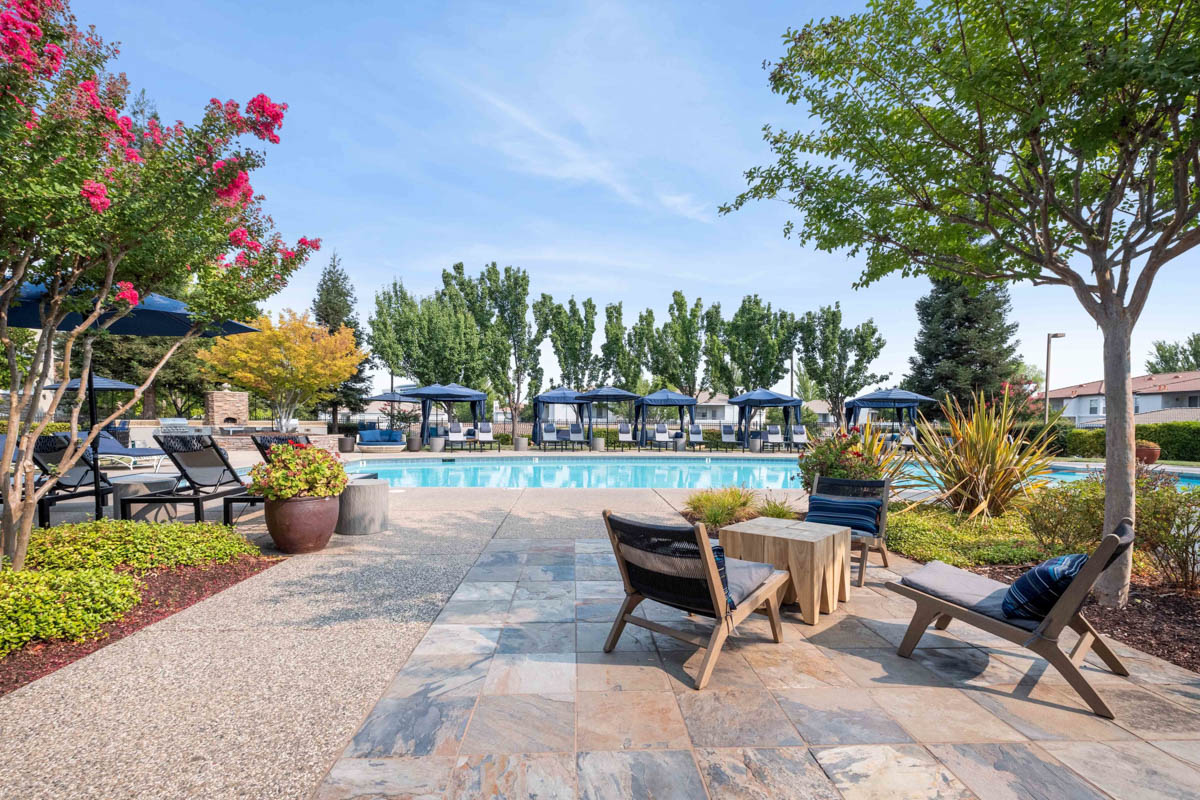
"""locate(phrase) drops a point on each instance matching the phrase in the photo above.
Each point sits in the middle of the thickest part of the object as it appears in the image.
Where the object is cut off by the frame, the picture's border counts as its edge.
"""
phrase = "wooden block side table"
(817, 558)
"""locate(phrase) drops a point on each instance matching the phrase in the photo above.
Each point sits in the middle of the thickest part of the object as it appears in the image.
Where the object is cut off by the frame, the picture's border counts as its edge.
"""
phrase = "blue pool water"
(604, 472)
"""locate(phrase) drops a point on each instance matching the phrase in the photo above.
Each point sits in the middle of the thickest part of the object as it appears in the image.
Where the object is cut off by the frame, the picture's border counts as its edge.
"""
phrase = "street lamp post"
(1046, 393)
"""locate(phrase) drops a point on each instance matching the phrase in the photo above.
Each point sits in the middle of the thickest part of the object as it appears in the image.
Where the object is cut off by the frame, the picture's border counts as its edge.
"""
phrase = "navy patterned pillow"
(858, 513)
(1033, 594)
(719, 557)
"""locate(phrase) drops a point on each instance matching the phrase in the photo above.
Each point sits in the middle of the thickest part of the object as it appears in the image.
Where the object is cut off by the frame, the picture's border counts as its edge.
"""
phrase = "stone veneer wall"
(325, 441)
(219, 406)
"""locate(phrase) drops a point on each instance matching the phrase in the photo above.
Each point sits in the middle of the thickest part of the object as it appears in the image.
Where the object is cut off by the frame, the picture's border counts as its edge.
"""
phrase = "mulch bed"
(1158, 620)
(164, 592)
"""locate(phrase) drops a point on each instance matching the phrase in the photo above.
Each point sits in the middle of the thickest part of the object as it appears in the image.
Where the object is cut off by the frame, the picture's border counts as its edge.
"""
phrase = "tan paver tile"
(1012, 772)
(597, 610)
(1186, 696)
(966, 666)
(839, 716)
(1045, 711)
(842, 633)
(590, 637)
(620, 720)
(537, 637)
(630, 672)
(1183, 750)
(531, 673)
(731, 672)
(736, 718)
(800, 666)
(893, 631)
(521, 723)
(660, 774)
(783, 773)
(458, 639)
(883, 772)
(437, 675)
(1150, 716)
(1150, 670)
(943, 715)
(1128, 770)
(473, 612)
(880, 666)
(548, 776)
(355, 778)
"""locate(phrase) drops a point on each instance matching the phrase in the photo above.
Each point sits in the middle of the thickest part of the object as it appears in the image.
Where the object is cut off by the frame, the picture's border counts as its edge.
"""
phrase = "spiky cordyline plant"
(982, 466)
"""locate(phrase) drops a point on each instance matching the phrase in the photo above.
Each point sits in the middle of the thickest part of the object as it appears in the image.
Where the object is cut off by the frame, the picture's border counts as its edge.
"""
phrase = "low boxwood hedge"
(61, 604)
(1180, 441)
(53, 427)
(137, 546)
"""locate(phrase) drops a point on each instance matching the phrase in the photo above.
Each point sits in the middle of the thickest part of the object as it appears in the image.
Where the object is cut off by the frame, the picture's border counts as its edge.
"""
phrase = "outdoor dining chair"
(859, 505)
(944, 593)
(678, 566)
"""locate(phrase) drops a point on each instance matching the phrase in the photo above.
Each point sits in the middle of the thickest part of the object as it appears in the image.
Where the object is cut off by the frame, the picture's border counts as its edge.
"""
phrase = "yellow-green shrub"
(927, 533)
(719, 507)
(135, 545)
(60, 604)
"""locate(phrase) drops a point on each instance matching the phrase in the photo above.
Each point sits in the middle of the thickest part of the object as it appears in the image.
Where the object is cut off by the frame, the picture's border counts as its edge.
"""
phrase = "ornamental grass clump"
(981, 467)
(293, 469)
(777, 508)
(719, 507)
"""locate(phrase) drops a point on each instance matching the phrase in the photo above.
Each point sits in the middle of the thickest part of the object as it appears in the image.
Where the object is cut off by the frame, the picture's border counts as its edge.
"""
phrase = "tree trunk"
(333, 421)
(1112, 589)
(150, 402)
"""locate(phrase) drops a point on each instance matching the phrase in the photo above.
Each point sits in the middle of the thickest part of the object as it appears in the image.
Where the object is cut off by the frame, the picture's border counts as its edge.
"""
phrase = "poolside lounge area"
(458, 655)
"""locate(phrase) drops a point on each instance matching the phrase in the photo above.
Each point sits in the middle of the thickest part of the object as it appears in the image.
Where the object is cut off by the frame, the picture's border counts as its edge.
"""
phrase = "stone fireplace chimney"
(226, 408)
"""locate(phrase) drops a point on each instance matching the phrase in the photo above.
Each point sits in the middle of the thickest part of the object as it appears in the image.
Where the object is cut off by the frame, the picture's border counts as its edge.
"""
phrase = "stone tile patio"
(509, 695)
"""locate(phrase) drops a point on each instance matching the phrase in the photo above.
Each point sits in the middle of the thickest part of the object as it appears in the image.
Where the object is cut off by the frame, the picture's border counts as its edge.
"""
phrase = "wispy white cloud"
(685, 205)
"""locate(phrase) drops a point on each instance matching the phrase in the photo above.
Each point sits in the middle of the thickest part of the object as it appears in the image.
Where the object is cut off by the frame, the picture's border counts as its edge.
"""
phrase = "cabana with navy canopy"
(764, 398)
(903, 401)
(450, 393)
(561, 396)
(663, 397)
(609, 394)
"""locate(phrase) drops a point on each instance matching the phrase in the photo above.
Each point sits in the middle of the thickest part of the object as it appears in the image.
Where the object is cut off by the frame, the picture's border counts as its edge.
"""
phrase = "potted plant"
(1147, 452)
(301, 484)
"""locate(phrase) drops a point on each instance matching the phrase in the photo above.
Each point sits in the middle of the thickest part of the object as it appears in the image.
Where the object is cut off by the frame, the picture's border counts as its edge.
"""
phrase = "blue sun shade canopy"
(663, 397)
(561, 396)
(450, 393)
(765, 398)
(609, 394)
(99, 384)
(905, 402)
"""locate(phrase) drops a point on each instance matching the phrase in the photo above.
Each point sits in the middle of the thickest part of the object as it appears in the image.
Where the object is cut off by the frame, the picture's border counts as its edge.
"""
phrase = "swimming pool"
(604, 472)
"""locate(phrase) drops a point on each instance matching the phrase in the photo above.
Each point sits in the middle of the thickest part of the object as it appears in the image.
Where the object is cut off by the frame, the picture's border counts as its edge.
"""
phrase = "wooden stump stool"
(364, 508)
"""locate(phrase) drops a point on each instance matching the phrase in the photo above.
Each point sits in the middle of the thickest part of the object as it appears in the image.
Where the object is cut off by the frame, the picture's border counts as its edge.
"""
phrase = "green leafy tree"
(518, 373)
(179, 383)
(1175, 356)
(677, 348)
(333, 307)
(836, 359)
(621, 355)
(749, 350)
(98, 208)
(571, 329)
(719, 372)
(1054, 143)
(965, 343)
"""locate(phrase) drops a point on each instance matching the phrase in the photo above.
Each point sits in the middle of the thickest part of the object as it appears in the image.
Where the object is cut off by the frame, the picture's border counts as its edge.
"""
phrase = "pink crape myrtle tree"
(101, 205)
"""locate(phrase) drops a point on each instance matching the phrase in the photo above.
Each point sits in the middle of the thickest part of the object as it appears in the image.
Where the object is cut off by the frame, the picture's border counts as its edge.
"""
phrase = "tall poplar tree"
(333, 307)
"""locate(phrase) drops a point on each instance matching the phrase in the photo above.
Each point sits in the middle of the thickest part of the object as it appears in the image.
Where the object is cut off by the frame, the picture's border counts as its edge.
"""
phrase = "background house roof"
(1168, 415)
(1142, 384)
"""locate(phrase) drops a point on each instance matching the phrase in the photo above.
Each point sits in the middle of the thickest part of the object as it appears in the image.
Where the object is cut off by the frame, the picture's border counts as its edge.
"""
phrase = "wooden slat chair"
(863, 541)
(943, 593)
(678, 566)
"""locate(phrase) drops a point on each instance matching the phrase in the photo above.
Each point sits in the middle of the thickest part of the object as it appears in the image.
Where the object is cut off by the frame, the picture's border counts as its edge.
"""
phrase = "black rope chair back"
(847, 487)
(199, 461)
(665, 563)
(263, 442)
(48, 452)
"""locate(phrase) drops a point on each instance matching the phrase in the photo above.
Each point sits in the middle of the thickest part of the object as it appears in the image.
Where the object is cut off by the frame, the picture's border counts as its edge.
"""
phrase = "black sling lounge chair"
(205, 474)
(944, 593)
(74, 484)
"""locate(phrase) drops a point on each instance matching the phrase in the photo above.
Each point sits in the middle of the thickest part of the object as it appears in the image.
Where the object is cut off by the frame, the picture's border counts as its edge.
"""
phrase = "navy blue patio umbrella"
(565, 397)
(902, 400)
(765, 398)
(154, 315)
(450, 393)
(663, 397)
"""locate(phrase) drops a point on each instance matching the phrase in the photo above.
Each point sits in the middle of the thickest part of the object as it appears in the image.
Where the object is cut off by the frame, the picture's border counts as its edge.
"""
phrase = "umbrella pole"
(91, 392)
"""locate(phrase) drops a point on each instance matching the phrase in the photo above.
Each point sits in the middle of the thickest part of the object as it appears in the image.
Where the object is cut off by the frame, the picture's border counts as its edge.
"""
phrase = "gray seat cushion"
(743, 577)
(975, 592)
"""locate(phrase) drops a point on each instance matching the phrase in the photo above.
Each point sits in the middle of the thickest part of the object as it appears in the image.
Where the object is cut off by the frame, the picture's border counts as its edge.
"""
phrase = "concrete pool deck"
(262, 690)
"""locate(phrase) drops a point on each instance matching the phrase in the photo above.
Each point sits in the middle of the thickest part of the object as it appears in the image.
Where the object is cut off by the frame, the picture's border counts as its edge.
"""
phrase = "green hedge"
(135, 545)
(53, 427)
(60, 604)
(1180, 441)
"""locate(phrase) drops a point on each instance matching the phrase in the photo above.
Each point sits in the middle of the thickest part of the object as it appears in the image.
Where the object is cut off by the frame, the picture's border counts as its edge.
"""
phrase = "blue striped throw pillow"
(719, 557)
(857, 513)
(1033, 594)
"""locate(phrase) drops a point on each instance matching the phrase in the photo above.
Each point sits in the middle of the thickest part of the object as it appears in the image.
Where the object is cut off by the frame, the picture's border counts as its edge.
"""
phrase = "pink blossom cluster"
(237, 192)
(312, 244)
(97, 196)
(264, 117)
(238, 237)
(127, 293)
(19, 34)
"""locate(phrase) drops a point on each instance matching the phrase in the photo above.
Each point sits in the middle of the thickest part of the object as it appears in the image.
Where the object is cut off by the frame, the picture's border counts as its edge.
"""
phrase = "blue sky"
(589, 143)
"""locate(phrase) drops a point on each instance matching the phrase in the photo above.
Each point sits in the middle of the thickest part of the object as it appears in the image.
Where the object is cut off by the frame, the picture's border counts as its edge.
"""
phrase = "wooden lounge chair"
(677, 565)
(205, 474)
(864, 541)
(943, 593)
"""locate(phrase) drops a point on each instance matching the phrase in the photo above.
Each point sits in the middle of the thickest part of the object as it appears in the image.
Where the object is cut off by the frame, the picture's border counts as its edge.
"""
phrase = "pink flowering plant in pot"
(104, 203)
(301, 484)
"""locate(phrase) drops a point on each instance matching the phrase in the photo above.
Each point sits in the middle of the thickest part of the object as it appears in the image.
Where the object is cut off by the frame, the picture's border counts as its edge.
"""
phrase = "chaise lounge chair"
(483, 436)
(76, 483)
(944, 593)
(110, 447)
(205, 474)
(773, 438)
(729, 438)
(576, 436)
(678, 566)
(799, 438)
(550, 436)
(624, 435)
(859, 505)
(695, 436)
(662, 437)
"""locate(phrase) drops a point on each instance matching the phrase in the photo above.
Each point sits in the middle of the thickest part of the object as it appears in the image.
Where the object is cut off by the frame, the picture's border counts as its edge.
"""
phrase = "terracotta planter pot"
(1147, 455)
(302, 524)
